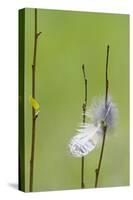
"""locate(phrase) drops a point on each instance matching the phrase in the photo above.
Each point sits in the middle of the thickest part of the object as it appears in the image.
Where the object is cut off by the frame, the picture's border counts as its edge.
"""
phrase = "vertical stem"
(84, 116)
(107, 82)
(97, 171)
(33, 110)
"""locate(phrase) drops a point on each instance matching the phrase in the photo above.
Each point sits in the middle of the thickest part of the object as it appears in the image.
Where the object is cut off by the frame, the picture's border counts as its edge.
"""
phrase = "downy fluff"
(88, 136)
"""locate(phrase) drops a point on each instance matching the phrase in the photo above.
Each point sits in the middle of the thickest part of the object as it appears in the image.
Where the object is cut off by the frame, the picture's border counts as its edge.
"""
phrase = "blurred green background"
(68, 40)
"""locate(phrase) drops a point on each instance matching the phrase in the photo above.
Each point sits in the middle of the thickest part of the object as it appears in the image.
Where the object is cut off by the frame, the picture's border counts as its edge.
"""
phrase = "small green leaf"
(34, 103)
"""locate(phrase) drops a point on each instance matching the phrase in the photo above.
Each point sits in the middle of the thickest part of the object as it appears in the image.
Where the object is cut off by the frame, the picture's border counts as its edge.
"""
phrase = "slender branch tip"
(83, 68)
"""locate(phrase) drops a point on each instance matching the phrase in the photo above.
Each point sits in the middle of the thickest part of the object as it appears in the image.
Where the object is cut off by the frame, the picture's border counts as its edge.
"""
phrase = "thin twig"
(33, 110)
(97, 171)
(84, 116)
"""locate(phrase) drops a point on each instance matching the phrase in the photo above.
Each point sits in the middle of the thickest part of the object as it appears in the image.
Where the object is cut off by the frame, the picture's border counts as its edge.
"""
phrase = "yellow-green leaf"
(34, 103)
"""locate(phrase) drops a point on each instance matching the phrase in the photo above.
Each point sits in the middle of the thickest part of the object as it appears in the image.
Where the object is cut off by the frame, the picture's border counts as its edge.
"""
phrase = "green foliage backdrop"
(68, 40)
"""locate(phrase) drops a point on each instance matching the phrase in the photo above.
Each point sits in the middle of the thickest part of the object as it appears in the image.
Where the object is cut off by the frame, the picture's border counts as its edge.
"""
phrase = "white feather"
(86, 140)
(99, 112)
